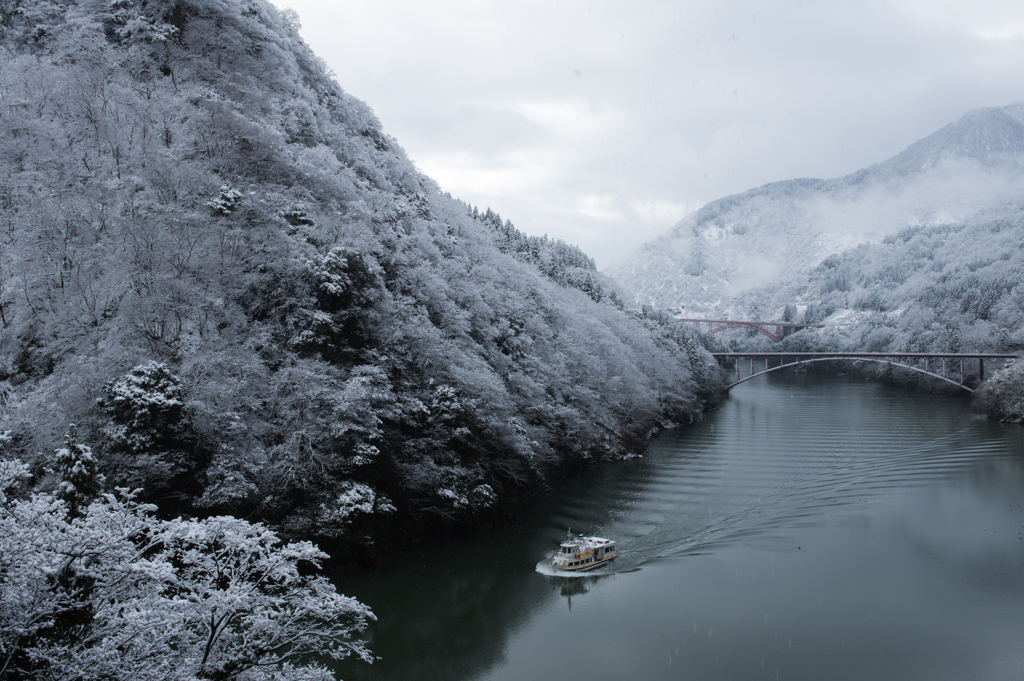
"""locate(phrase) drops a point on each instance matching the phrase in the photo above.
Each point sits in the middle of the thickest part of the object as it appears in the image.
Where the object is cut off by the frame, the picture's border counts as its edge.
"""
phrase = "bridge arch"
(745, 325)
(781, 328)
(852, 359)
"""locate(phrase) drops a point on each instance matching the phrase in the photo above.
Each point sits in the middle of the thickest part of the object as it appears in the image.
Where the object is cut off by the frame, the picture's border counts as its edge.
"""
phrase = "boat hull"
(586, 567)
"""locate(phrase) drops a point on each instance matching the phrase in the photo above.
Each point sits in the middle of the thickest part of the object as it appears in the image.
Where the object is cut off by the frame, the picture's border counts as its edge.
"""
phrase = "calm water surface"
(813, 528)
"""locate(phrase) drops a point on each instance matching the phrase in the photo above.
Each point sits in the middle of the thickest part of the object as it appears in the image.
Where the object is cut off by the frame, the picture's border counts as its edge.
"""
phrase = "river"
(815, 527)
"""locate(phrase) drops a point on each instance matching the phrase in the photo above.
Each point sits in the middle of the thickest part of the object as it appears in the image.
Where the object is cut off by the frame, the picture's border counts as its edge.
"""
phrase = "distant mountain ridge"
(992, 136)
(766, 235)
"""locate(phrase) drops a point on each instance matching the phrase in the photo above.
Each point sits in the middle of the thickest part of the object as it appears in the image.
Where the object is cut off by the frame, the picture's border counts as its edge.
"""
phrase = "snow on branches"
(354, 498)
(144, 405)
(226, 202)
(80, 479)
(119, 594)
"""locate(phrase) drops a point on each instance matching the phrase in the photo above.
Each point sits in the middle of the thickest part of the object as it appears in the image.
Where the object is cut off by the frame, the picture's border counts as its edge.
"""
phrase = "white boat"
(579, 554)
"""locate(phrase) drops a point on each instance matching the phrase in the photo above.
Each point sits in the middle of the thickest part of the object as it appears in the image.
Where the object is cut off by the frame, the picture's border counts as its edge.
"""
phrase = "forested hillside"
(953, 287)
(217, 264)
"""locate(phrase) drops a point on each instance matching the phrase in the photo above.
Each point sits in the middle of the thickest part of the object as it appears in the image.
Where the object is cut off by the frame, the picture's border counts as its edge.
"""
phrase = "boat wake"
(698, 492)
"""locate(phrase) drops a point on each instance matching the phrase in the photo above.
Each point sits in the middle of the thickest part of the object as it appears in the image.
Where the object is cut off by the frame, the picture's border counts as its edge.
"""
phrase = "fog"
(953, 191)
(766, 238)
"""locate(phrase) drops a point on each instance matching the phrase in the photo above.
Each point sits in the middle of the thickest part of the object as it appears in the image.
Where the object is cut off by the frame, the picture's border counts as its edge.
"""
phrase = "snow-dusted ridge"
(767, 236)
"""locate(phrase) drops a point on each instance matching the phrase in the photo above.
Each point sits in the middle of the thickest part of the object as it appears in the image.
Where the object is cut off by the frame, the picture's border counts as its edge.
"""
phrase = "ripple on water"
(757, 469)
(900, 502)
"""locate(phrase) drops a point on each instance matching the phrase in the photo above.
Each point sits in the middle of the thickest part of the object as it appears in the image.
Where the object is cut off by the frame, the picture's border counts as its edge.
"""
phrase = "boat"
(580, 554)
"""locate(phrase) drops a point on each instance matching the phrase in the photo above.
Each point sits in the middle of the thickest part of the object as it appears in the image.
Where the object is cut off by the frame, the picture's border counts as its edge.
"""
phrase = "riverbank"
(404, 531)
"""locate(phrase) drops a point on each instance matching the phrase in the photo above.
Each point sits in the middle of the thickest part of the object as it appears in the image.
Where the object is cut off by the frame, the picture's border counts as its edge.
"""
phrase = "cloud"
(659, 212)
(674, 104)
(463, 173)
(599, 207)
(568, 119)
(1000, 33)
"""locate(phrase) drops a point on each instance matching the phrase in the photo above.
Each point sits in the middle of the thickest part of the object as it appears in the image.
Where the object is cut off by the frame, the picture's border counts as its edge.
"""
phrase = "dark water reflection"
(815, 527)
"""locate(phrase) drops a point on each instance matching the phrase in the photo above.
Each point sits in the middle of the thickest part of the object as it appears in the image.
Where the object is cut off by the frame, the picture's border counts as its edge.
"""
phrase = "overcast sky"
(604, 122)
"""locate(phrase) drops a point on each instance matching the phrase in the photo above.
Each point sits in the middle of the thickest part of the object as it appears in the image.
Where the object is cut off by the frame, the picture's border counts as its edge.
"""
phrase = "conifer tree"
(80, 479)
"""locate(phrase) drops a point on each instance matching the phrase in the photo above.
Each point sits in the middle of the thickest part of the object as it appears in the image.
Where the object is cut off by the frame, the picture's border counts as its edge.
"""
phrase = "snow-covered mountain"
(218, 265)
(770, 235)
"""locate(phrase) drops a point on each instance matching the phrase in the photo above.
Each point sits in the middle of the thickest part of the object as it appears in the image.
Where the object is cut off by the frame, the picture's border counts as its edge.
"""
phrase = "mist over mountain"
(772, 235)
(921, 253)
(219, 266)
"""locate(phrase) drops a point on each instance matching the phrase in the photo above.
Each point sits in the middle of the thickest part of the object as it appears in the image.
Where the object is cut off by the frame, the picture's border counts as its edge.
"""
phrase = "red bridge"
(782, 329)
(919, 362)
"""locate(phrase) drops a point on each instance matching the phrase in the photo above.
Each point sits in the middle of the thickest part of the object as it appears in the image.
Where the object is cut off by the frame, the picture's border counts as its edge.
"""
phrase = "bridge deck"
(736, 321)
(900, 359)
(861, 355)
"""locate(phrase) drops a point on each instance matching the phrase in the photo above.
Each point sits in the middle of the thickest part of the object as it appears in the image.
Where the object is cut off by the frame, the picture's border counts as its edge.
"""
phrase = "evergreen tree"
(80, 479)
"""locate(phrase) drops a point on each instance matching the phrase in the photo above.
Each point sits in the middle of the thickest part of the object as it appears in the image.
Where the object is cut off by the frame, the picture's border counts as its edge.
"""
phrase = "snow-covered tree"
(246, 608)
(78, 471)
(226, 202)
(1001, 396)
(119, 594)
(145, 407)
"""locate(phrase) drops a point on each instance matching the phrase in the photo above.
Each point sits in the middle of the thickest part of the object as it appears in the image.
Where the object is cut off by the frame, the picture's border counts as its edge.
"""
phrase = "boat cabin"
(583, 553)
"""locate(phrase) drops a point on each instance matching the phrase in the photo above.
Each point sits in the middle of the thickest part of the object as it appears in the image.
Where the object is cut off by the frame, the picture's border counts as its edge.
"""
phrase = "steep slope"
(770, 234)
(953, 287)
(217, 264)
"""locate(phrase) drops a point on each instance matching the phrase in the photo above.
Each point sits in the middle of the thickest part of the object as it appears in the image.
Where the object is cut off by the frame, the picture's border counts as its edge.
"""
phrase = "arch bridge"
(922, 363)
(781, 329)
